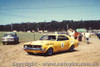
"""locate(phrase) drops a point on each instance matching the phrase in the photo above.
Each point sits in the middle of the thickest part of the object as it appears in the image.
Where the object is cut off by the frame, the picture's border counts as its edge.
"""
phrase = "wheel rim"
(50, 51)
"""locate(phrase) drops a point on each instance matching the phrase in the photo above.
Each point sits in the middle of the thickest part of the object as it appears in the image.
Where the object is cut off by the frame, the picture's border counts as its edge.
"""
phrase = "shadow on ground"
(12, 43)
(57, 53)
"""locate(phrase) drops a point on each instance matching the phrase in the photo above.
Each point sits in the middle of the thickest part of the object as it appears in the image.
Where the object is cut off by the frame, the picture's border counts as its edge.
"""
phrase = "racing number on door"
(62, 45)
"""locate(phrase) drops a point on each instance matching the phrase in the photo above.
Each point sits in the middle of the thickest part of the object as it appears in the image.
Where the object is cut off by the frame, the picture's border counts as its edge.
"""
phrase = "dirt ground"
(12, 55)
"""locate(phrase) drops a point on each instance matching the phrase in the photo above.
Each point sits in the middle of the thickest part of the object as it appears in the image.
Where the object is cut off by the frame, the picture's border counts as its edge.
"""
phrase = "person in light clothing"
(87, 36)
(72, 34)
(83, 33)
(80, 36)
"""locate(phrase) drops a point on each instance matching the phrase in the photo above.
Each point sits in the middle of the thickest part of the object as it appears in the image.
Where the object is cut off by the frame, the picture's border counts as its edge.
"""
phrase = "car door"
(57, 46)
(63, 42)
(66, 43)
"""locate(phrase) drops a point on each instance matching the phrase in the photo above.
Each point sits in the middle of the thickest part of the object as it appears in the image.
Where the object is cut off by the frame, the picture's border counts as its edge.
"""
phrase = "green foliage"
(52, 26)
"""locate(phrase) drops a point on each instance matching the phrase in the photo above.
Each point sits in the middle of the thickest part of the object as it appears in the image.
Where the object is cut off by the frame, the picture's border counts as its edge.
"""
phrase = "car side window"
(48, 37)
(52, 38)
(62, 38)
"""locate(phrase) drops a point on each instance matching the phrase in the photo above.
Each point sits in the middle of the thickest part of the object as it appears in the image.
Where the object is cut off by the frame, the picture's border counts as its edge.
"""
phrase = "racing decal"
(62, 45)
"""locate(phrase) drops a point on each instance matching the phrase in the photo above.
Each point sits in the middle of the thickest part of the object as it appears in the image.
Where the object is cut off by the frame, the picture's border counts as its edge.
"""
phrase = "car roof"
(56, 34)
(10, 33)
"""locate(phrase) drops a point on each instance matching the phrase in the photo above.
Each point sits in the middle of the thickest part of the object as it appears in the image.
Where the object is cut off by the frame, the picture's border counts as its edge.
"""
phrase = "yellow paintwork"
(56, 45)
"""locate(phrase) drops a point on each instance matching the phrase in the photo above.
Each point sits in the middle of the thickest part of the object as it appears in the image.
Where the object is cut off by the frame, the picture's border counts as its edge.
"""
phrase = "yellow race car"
(50, 43)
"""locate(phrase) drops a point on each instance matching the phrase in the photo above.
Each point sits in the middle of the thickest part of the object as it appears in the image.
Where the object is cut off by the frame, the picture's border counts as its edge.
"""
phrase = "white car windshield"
(48, 37)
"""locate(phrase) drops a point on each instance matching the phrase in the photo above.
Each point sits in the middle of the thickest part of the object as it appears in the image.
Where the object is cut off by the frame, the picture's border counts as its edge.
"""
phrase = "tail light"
(3, 39)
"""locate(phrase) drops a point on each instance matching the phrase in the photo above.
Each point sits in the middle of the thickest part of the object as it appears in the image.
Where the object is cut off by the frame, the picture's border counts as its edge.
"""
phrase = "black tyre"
(30, 53)
(49, 52)
(71, 48)
(17, 41)
(3, 43)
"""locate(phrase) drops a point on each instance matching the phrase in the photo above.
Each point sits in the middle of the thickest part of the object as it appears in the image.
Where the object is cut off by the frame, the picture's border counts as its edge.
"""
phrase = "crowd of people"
(79, 35)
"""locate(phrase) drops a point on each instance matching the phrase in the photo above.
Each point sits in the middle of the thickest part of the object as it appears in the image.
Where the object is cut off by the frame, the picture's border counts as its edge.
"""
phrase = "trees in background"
(52, 26)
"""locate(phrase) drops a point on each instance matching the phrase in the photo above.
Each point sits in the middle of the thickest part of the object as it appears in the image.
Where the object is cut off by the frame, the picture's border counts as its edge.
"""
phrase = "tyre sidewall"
(49, 52)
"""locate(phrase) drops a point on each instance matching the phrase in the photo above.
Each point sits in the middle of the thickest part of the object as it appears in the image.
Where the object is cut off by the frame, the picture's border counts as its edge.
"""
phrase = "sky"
(18, 11)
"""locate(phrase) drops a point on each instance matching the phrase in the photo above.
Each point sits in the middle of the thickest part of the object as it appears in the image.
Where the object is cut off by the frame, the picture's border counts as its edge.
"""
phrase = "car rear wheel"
(49, 52)
(4, 43)
(16, 42)
(71, 48)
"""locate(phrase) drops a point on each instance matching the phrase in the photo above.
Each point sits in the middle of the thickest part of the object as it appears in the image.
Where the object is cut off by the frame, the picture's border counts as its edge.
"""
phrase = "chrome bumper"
(8, 41)
(34, 49)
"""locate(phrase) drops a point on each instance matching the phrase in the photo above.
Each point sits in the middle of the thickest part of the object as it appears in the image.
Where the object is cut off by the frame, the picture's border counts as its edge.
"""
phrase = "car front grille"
(33, 46)
(30, 46)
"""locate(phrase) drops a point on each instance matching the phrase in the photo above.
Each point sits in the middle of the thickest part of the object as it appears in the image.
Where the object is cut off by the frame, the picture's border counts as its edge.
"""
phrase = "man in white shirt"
(72, 34)
(87, 36)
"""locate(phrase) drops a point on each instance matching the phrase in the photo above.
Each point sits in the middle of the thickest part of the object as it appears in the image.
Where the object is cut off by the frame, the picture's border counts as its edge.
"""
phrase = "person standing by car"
(83, 33)
(98, 35)
(76, 35)
(80, 36)
(87, 36)
(72, 34)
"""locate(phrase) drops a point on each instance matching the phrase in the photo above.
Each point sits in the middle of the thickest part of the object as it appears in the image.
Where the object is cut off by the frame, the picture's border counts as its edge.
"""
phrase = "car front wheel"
(30, 53)
(49, 52)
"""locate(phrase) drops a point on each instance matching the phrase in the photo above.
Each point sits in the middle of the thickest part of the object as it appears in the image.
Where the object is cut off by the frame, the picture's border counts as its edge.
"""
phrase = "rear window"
(9, 34)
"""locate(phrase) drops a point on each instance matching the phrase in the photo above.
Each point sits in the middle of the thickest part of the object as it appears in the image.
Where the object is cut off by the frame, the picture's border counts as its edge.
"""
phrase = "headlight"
(43, 49)
(25, 46)
(3, 39)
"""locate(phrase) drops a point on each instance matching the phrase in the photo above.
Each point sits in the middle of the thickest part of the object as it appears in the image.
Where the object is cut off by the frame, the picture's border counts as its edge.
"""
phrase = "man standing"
(72, 34)
(87, 36)
(80, 36)
(76, 35)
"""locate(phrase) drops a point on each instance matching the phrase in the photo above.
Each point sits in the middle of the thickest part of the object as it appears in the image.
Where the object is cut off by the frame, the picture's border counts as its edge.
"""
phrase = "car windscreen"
(9, 34)
(48, 37)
